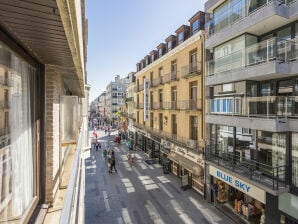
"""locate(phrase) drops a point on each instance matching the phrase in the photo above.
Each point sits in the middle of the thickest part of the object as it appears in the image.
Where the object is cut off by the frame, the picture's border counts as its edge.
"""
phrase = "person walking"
(132, 159)
(113, 162)
(105, 154)
(97, 146)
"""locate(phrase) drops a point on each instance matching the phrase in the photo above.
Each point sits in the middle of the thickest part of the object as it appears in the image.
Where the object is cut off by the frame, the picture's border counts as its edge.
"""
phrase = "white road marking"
(165, 190)
(182, 215)
(119, 220)
(106, 201)
(154, 215)
(119, 173)
(138, 173)
(126, 216)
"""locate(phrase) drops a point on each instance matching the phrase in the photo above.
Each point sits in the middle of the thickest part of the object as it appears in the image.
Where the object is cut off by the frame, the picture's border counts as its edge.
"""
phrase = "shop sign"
(197, 158)
(239, 184)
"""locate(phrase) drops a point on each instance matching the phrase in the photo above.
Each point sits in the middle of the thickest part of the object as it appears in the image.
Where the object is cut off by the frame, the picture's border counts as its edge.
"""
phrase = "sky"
(122, 32)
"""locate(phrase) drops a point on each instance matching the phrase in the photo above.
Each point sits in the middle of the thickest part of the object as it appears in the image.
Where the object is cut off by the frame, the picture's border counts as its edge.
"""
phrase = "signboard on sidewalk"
(184, 180)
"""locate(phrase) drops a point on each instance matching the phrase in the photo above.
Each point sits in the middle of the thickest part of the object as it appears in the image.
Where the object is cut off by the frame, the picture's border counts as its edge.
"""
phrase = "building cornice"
(174, 51)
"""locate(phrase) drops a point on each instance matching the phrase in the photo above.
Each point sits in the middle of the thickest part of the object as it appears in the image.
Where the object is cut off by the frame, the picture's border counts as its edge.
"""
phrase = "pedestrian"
(105, 154)
(97, 146)
(113, 162)
(132, 159)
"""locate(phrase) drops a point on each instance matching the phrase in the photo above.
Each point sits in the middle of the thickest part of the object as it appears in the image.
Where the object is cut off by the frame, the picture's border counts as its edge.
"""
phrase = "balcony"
(271, 58)
(4, 104)
(140, 105)
(177, 105)
(255, 19)
(193, 69)
(158, 81)
(129, 99)
(173, 76)
(194, 145)
(272, 177)
(6, 82)
(269, 113)
(140, 88)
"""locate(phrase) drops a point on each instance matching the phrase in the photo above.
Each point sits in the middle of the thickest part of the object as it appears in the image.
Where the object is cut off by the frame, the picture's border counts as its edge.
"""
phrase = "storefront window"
(295, 159)
(17, 154)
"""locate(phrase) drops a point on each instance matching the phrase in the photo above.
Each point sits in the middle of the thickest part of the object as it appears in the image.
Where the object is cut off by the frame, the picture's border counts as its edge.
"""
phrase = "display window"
(244, 205)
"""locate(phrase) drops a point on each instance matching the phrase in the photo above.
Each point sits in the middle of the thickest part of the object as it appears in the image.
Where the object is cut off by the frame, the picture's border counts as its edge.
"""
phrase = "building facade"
(251, 108)
(169, 101)
(42, 68)
(114, 98)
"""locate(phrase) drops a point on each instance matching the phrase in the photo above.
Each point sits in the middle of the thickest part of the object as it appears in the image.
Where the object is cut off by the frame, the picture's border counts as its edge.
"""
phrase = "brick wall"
(53, 88)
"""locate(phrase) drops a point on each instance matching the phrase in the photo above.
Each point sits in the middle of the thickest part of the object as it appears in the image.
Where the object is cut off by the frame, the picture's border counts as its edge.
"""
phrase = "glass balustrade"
(268, 50)
(268, 106)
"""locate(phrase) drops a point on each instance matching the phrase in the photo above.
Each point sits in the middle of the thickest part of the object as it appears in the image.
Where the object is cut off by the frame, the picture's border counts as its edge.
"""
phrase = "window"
(160, 96)
(152, 58)
(151, 120)
(193, 61)
(160, 122)
(159, 52)
(174, 98)
(174, 124)
(151, 78)
(174, 69)
(193, 127)
(193, 95)
(138, 116)
(169, 45)
(180, 37)
(195, 27)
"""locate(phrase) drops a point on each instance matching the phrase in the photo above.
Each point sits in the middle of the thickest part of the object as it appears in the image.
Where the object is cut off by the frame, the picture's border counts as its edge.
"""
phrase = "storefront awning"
(187, 164)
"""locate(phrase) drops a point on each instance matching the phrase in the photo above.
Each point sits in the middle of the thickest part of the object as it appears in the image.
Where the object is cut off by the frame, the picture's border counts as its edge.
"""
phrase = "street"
(139, 194)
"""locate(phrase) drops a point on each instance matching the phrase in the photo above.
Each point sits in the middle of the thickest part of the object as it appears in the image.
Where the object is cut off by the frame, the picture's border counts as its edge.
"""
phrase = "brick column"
(53, 89)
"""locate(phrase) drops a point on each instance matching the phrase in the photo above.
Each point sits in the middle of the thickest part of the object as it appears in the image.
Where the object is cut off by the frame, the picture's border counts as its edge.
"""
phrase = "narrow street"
(139, 194)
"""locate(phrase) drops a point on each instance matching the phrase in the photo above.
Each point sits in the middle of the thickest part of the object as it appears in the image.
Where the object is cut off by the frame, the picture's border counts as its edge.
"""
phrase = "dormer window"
(152, 57)
(159, 52)
(195, 26)
(169, 45)
(180, 37)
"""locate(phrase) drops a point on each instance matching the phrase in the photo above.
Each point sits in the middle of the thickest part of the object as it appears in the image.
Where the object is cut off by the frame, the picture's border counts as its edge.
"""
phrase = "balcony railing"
(269, 176)
(242, 12)
(140, 105)
(268, 50)
(191, 70)
(177, 105)
(6, 81)
(129, 99)
(173, 76)
(195, 145)
(265, 106)
(158, 81)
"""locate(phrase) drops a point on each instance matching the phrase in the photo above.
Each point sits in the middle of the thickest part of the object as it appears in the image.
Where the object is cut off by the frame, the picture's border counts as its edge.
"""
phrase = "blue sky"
(122, 32)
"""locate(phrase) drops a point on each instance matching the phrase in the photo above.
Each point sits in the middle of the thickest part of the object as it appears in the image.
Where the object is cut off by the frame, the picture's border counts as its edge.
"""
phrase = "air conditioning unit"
(191, 143)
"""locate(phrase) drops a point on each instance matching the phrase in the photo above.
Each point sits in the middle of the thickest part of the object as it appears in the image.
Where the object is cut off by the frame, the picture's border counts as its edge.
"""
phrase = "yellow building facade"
(169, 108)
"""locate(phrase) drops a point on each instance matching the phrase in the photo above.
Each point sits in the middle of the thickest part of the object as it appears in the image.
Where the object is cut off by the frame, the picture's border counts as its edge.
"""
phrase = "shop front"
(186, 162)
(238, 195)
(141, 141)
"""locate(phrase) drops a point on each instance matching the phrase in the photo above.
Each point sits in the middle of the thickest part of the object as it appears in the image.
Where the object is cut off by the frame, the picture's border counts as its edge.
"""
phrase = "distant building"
(114, 98)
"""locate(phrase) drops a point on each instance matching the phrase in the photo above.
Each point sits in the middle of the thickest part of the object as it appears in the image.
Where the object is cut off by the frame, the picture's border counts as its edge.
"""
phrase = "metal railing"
(158, 81)
(140, 105)
(194, 145)
(268, 50)
(192, 69)
(172, 76)
(265, 106)
(70, 209)
(269, 176)
(177, 105)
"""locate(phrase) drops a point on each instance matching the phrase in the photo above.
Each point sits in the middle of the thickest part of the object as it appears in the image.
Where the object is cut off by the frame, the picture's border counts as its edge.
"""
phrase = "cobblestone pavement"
(139, 194)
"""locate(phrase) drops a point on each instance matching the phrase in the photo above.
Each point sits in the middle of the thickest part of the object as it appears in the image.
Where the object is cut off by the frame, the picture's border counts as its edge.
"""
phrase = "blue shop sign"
(233, 181)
